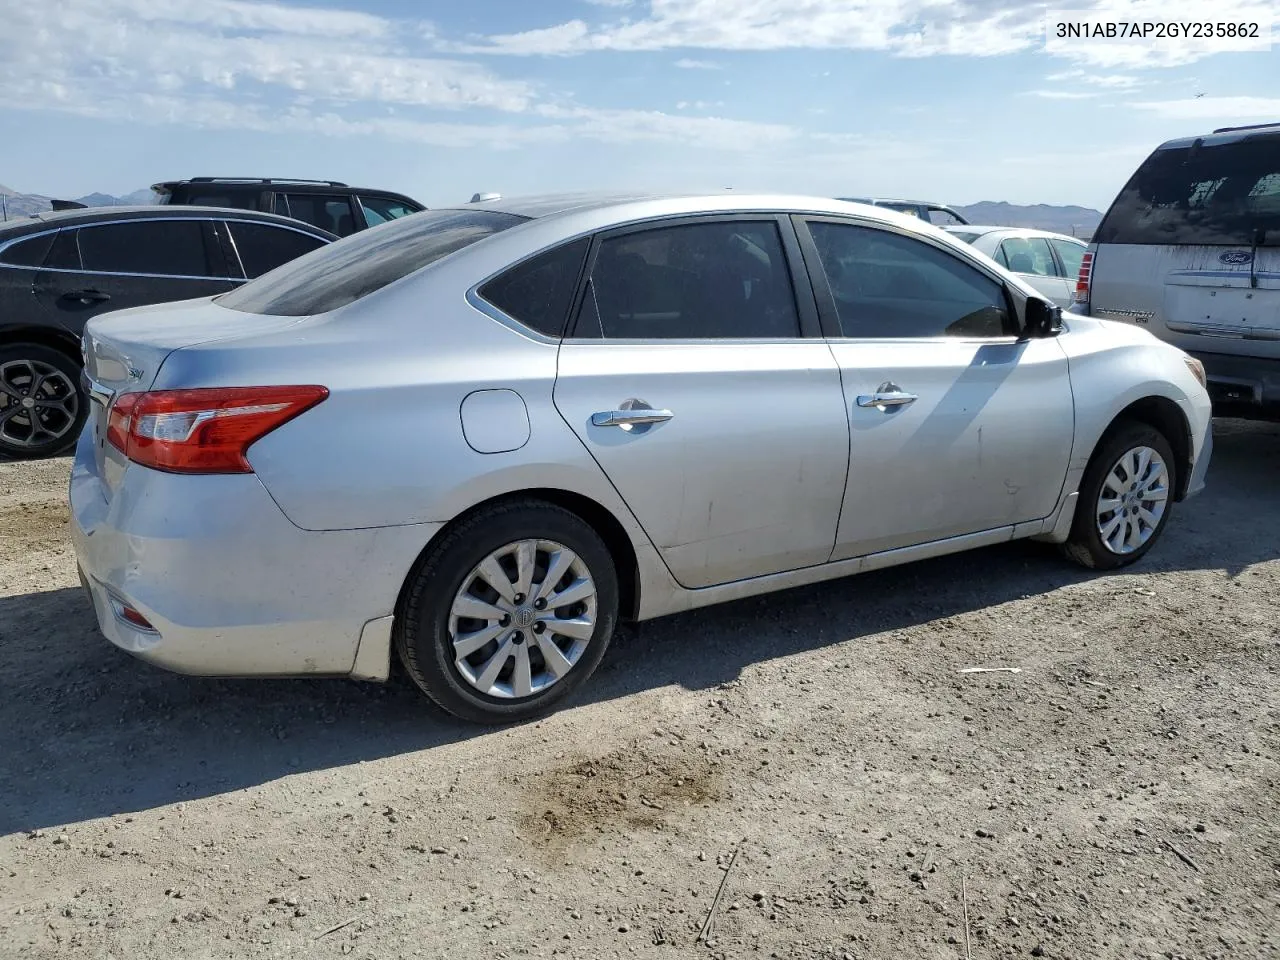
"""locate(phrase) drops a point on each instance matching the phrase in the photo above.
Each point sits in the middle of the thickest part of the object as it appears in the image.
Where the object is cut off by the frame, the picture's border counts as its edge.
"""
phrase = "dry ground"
(826, 734)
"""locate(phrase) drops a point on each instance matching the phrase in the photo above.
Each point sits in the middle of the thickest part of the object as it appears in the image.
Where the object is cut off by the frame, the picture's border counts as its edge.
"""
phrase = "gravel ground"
(1117, 798)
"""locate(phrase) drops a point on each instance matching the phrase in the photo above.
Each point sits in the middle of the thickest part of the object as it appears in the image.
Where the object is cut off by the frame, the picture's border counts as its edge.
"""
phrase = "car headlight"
(1197, 370)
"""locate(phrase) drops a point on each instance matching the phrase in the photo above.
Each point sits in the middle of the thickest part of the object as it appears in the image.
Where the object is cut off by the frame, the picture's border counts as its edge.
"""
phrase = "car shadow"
(91, 732)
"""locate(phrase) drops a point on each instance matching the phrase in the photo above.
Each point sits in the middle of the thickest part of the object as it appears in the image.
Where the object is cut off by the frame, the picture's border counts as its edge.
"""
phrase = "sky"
(949, 100)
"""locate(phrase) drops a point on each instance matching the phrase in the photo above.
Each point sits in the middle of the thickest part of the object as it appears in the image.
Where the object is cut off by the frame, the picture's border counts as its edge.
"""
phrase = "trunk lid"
(124, 351)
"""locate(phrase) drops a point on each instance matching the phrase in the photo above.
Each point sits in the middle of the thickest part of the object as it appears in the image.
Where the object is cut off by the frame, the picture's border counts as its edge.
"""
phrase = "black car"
(59, 269)
(326, 204)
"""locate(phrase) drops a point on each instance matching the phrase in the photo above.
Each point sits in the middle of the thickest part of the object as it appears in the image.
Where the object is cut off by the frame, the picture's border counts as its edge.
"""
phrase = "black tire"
(423, 619)
(1085, 545)
(54, 429)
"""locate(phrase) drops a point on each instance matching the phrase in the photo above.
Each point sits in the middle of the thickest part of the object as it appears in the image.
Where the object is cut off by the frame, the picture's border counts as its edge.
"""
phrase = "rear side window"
(263, 247)
(1071, 255)
(1228, 194)
(539, 292)
(27, 253)
(239, 200)
(381, 209)
(1028, 255)
(173, 248)
(891, 286)
(704, 281)
(330, 212)
(65, 252)
(355, 267)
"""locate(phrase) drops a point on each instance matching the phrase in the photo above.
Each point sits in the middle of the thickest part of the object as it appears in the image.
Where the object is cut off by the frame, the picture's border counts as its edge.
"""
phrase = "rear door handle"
(887, 398)
(627, 418)
(86, 296)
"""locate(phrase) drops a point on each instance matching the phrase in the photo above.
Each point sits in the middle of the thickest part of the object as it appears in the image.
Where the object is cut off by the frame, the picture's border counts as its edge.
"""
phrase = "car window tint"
(263, 247)
(1226, 193)
(539, 292)
(355, 267)
(888, 285)
(943, 218)
(326, 211)
(725, 280)
(1029, 255)
(163, 247)
(381, 209)
(1072, 254)
(29, 252)
(65, 252)
(240, 200)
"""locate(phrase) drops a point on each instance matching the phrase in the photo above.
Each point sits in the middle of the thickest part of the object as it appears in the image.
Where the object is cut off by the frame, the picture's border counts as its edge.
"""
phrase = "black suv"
(59, 269)
(326, 204)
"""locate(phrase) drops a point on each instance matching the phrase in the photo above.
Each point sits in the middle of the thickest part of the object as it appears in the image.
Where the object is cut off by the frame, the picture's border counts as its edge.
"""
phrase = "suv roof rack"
(1252, 126)
(326, 183)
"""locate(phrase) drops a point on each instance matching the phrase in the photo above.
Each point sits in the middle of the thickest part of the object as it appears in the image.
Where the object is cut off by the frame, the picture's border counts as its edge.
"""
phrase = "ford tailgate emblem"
(1235, 257)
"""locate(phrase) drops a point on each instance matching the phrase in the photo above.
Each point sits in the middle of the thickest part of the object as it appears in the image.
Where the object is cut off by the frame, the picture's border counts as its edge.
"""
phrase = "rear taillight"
(1082, 282)
(208, 430)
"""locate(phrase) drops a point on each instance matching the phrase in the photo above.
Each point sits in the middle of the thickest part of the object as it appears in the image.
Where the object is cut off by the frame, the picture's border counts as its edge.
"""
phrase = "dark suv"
(326, 204)
(59, 269)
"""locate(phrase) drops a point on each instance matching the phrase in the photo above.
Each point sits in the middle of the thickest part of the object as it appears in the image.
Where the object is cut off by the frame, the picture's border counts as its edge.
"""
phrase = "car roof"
(1225, 135)
(641, 205)
(277, 185)
(1027, 231)
(80, 216)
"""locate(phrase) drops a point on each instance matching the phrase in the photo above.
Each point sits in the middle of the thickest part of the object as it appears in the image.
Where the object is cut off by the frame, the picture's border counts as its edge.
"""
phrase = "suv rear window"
(356, 266)
(1228, 194)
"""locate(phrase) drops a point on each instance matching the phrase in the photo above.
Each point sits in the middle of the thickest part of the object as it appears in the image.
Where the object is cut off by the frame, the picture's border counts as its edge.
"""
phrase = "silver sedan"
(477, 438)
(1049, 262)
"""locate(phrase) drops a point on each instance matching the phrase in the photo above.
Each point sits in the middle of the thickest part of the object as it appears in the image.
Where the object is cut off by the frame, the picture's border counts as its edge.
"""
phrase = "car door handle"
(627, 418)
(86, 296)
(887, 398)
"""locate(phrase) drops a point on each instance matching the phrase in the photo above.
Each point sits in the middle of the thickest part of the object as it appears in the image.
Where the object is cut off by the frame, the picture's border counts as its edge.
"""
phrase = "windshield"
(1225, 195)
(356, 266)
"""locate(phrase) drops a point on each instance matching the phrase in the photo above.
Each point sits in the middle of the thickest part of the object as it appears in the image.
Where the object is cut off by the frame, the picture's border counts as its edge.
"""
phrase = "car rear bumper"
(1242, 386)
(228, 584)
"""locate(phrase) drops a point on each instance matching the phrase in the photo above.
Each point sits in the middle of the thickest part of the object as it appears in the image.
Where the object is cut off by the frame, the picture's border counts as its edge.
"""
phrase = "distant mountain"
(1073, 221)
(20, 205)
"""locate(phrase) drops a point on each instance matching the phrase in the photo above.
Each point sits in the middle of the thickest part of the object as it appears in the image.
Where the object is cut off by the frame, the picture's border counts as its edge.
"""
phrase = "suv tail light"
(1082, 282)
(208, 430)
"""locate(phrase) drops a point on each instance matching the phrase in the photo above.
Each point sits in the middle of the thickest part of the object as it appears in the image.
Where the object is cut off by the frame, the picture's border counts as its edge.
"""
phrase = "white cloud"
(1219, 110)
(1061, 94)
(685, 63)
(910, 28)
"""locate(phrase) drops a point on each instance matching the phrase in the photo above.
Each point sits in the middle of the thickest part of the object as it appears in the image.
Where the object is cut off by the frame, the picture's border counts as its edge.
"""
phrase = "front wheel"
(1125, 498)
(509, 613)
(42, 407)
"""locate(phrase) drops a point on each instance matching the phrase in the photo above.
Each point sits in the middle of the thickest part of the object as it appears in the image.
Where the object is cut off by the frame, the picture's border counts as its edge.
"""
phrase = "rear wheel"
(509, 613)
(42, 407)
(1125, 498)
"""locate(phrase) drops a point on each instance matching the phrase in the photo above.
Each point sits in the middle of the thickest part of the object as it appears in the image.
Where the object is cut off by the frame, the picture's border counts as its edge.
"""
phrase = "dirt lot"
(1119, 797)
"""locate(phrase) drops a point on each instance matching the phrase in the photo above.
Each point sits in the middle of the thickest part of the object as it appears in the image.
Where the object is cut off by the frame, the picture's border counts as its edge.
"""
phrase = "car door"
(699, 382)
(1032, 260)
(957, 425)
(96, 268)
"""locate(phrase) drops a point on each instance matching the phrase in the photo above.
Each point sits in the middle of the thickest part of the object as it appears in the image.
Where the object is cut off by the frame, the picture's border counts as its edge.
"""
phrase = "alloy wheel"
(38, 404)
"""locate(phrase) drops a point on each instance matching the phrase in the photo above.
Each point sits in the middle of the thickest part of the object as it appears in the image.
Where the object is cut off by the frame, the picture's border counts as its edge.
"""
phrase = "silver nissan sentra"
(475, 438)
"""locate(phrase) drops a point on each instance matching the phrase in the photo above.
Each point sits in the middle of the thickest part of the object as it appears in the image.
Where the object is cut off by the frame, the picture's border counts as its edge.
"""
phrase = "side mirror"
(1043, 319)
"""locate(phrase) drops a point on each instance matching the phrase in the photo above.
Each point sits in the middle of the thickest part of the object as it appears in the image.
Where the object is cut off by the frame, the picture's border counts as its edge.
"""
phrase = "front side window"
(886, 285)
(263, 247)
(172, 248)
(349, 269)
(1227, 194)
(701, 281)
(1029, 255)
(330, 212)
(381, 209)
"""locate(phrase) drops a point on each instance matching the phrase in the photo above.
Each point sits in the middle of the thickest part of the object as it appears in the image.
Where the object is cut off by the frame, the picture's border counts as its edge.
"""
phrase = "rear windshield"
(1227, 194)
(356, 266)
(968, 236)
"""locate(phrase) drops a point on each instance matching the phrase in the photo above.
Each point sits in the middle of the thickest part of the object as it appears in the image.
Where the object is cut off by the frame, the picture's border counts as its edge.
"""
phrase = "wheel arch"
(1167, 416)
(52, 337)
(590, 511)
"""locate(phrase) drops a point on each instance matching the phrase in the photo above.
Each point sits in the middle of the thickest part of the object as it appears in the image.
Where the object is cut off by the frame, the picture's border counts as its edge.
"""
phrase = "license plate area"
(1236, 312)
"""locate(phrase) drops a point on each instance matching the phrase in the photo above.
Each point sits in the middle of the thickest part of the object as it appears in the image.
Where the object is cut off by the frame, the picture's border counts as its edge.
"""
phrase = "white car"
(1050, 262)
